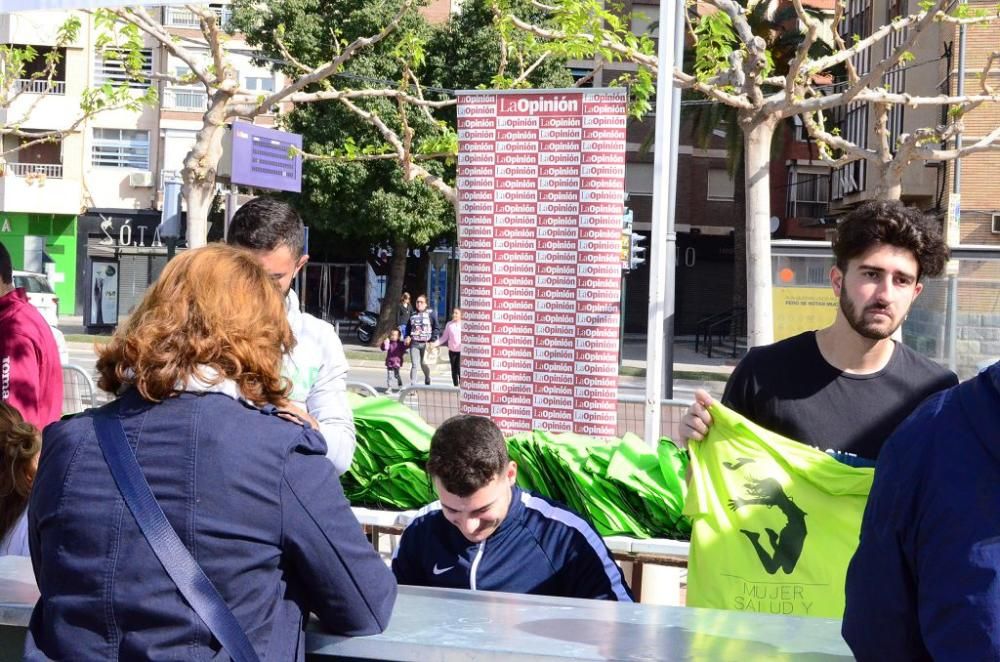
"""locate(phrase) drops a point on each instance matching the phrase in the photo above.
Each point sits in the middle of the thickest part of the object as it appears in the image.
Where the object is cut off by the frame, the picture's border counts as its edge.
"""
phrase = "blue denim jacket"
(254, 499)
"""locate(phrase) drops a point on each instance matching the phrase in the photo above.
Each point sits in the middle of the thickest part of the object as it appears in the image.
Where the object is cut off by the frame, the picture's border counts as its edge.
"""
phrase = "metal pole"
(661, 211)
(671, 285)
(231, 200)
(952, 235)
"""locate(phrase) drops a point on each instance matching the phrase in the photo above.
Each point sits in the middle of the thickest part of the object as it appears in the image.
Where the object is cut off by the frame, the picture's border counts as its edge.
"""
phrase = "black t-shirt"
(789, 388)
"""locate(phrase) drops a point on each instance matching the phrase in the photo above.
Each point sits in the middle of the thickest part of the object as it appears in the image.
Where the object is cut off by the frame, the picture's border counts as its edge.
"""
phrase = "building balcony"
(185, 99)
(39, 86)
(34, 170)
(179, 17)
(39, 188)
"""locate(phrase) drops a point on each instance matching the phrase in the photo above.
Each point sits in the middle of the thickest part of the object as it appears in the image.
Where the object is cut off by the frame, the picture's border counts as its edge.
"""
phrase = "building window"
(109, 68)
(120, 148)
(720, 185)
(808, 193)
(996, 224)
(801, 133)
(255, 84)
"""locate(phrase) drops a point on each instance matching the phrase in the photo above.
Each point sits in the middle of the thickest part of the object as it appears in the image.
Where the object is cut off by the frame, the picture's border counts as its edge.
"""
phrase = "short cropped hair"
(6, 266)
(892, 223)
(467, 452)
(264, 224)
(213, 307)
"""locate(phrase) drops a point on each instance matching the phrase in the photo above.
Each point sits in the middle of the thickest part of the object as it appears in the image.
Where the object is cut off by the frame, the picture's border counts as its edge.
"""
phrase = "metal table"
(443, 624)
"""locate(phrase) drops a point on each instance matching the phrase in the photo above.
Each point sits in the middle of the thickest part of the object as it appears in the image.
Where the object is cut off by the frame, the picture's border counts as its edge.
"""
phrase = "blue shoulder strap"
(191, 581)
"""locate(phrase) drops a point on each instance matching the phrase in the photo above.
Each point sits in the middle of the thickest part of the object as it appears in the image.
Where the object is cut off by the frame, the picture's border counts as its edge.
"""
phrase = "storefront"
(46, 243)
(119, 254)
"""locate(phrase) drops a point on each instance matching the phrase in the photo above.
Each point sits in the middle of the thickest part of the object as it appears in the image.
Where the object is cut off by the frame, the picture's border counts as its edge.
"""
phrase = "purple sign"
(262, 158)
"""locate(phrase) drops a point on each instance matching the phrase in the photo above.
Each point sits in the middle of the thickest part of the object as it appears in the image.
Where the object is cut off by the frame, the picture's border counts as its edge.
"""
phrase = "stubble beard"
(857, 321)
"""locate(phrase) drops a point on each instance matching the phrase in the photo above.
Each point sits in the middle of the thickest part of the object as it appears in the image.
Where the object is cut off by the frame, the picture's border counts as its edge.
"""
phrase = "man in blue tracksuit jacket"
(487, 534)
(925, 581)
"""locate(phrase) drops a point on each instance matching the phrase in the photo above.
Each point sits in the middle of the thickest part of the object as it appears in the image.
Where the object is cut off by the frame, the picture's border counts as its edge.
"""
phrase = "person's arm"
(21, 371)
(327, 402)
(590, 571)
(881, 613)
(405, 565)
(445, 336)
(435, 328)
(346, 583)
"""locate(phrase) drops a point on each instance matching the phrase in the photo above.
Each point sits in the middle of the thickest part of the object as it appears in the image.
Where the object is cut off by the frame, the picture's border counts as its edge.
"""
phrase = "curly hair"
(213, 307)
(467, 452)
(20, 442)
(892, 223)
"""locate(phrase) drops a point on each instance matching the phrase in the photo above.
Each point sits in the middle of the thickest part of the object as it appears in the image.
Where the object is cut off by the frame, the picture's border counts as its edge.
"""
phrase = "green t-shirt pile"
(622, 486)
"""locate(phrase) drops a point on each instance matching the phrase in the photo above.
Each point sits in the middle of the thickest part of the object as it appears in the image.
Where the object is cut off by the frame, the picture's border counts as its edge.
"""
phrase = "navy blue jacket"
(925, 581)
(540, 548)
(251, 495)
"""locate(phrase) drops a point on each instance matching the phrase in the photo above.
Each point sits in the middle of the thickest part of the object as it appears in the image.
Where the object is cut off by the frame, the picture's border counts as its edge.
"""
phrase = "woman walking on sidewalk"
(421, 330)
(452, 337)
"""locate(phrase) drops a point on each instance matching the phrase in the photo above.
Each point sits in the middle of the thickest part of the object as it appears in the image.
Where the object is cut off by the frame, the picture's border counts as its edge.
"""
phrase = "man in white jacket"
(317, 365)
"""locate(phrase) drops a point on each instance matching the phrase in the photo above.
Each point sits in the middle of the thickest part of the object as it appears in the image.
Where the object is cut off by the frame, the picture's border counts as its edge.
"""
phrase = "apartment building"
(86, 209)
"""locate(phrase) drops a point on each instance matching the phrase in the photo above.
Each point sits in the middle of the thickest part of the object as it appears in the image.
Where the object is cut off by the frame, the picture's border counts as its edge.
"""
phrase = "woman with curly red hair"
(249, 493)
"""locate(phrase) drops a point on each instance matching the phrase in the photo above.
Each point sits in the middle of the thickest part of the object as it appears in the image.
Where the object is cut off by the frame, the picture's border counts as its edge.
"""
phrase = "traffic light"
(636, 252)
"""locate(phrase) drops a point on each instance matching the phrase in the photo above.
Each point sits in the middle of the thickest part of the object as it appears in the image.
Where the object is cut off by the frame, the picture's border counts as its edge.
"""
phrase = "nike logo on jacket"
(541, 547)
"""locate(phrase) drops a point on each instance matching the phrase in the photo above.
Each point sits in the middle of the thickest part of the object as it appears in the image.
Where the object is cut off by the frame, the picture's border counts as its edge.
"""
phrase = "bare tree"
(733, 67)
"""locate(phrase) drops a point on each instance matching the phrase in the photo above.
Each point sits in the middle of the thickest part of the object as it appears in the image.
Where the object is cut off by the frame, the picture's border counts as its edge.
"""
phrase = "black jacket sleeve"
(435, 326)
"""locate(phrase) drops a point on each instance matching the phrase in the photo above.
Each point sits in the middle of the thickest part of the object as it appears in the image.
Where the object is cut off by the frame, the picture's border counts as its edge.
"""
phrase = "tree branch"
(612, 45)
(141, 19)
(412, 170)
(330, 68)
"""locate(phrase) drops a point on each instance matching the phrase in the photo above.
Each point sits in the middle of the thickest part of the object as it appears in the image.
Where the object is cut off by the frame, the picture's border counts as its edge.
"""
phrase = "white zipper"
(475, 565)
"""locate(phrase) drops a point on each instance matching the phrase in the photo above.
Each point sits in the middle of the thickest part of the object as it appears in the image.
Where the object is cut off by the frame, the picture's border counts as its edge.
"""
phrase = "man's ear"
(511, 473)
(836, 280)
(301, 263)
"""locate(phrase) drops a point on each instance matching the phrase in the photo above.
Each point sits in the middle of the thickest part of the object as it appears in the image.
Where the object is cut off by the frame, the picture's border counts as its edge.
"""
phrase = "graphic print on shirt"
(786, 545)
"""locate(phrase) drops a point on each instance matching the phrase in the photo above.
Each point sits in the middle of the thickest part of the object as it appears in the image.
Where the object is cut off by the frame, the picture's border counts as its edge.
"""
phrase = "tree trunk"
(760, 311)
(393, 290)
(200, 167)
(199, 196)
(890, 181)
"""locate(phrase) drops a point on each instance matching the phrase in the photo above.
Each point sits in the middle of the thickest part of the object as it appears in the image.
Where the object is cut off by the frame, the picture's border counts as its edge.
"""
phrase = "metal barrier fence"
(436, 404)
(362, 389)
(79, 392)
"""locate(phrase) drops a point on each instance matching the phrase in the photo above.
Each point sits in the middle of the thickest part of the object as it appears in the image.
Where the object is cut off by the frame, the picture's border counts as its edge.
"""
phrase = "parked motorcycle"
(367, 321)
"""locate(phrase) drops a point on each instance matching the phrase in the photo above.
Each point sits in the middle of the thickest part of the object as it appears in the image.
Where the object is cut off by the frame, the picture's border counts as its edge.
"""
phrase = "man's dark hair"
(467, 452)
(264, 224)
(6, 266)
(892, 223)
